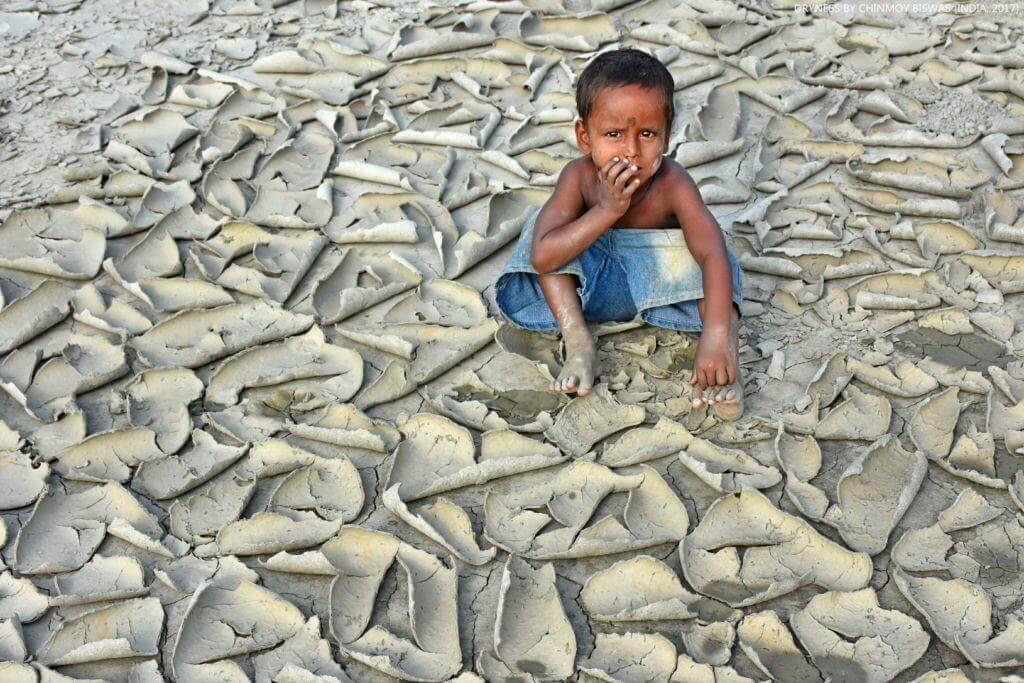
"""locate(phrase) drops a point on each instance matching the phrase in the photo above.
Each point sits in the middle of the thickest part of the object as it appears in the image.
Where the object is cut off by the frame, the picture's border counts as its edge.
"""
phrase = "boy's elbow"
(539, 263)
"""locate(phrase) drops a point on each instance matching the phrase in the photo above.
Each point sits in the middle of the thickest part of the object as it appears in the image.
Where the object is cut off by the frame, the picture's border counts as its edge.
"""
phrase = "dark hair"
(623, 67)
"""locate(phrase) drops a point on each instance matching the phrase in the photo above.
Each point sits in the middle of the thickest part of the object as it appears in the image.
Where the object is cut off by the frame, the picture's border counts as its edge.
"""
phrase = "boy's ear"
(582, 139)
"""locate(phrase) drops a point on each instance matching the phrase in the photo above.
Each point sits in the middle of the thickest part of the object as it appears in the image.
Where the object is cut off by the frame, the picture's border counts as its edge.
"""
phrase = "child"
(625, 234)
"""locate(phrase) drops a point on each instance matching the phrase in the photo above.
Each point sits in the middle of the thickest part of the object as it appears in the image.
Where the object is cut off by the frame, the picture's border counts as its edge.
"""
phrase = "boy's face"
(628, 122)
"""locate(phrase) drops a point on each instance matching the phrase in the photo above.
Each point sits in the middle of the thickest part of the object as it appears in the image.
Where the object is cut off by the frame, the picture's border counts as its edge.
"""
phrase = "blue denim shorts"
(625, 272)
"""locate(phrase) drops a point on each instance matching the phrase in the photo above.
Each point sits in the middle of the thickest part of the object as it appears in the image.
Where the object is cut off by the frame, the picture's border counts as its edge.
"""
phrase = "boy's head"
(625, 104)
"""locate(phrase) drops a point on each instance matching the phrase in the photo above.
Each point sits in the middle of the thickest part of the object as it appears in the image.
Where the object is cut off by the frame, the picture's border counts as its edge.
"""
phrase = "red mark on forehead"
(632, 120)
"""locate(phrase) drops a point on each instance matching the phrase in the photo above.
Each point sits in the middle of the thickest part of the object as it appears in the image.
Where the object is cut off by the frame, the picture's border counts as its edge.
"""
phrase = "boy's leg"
(726, 401)
(581, 365)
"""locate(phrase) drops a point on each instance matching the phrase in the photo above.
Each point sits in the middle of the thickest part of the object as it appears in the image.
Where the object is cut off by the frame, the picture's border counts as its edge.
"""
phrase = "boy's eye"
(612, 133)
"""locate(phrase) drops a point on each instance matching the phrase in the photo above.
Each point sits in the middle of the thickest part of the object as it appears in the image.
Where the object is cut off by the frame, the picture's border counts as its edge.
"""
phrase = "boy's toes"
(730, 407)
(700, 397)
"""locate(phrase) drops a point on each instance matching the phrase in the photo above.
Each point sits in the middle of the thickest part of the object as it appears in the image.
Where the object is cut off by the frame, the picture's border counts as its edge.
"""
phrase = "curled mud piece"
(513, 388)
(631, 658)
(931, 172)
(12, 642)
(642, 444)
(932, 426)
(443, 522)
(709, 642)
(438, 349)
(20, 600)
(108, 456)
(124, 629)
(303, 657)
(33, 314)
(653, 514)
(585, 420)
(159, 400)
(1002, 222)
(360, 281)
(770, 646)
(227, 618)
(850, 637)
(91, 307)
(271, 532)
(48, 391)
(360, 558)
(439, 302)
(533, 638)
(22, 482)
(726, 470)
(960, 614)
(862, 416)
(346, 425)
(830, 379)
(44, 241)
(998, 267)
(101, 579)
(506, 214)
(786, 553)
(173, 475)
(639, 589)
(200, 515)
(330, 487)
(874, 492)
(279, 261)
(1016, 490)
(195, 338)
(581, 32)
(800, 458)
(299, 357)
(689, 671)
(944, 676)
(922, 550)
(908, 380)
(968, 510)
(904, 291)
(68, 523)
(437, 455)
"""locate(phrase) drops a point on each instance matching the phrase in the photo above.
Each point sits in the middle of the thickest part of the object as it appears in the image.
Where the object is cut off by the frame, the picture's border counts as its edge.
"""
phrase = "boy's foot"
(726, 402)
(581, 365)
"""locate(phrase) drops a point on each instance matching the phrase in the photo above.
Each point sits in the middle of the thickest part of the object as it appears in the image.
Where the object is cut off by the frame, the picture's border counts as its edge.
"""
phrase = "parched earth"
(258, 419)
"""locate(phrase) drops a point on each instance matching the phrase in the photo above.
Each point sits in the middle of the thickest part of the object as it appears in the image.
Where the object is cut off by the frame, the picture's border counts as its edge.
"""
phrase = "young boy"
(625, 234)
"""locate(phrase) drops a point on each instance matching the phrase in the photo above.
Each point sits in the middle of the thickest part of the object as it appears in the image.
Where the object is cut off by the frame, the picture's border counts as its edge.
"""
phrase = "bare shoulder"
(578, 171)
(675, 175)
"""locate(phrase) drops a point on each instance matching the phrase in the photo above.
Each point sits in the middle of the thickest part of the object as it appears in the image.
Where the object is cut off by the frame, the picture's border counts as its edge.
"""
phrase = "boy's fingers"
(616, 169)
(631, 186)
(624, 176)
(721, 376)
(732, 373)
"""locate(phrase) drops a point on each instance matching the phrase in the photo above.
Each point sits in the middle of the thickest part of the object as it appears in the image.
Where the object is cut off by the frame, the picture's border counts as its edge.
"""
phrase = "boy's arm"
(560, 232)
(704, 239)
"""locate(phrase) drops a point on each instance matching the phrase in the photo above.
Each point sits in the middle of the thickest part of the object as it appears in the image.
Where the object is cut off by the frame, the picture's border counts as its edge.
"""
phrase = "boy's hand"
(615, 187)
(713, 364)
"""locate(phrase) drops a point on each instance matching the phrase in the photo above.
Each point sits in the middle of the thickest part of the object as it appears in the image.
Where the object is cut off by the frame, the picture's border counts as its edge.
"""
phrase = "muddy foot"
(726, 402)
(580, 368)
